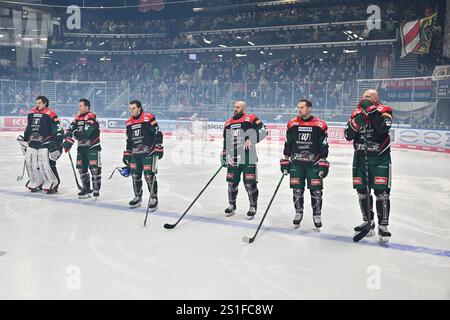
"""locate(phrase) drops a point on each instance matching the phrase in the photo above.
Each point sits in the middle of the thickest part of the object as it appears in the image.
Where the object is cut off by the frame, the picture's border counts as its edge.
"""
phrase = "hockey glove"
(324, 166)
(357, 122)
(54, 151)
(126, 157)
(364, 104)
(223, 158)
(159, 151)
(67, 144)
(285, 166)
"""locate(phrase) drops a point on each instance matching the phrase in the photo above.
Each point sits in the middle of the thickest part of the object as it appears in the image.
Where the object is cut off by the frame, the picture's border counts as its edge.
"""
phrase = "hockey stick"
(74, 173)
(250, 240)
(112, 173)
(20, 178)
(171, 226)
(151, 191)
(366, 230)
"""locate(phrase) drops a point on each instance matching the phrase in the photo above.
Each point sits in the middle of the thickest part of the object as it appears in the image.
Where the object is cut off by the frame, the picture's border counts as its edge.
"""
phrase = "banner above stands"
(405, 138)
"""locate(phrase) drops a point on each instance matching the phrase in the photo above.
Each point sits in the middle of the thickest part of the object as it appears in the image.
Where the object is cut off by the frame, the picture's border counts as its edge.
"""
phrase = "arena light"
(101, 43)
(1, 35)
(198, 9)
(262, 52)
(350, 51)
(241, 55)
(250, 43)
(207, 41)
(220, 55)
(222, 45)
(238, 37)
(325, 51)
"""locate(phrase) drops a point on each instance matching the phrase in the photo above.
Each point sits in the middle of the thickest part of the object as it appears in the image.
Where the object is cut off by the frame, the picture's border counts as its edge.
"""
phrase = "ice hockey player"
(86, 130)
(305, 157)
(371, 121)
(240, 135)
(144, 147)
(42, 145)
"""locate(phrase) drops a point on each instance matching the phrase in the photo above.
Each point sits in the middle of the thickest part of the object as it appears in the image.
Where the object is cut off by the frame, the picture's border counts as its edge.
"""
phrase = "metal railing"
(416, 101)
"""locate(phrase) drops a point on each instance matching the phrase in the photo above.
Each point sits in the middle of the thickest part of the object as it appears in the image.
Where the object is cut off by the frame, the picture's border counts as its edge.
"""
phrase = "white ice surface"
(60, 247)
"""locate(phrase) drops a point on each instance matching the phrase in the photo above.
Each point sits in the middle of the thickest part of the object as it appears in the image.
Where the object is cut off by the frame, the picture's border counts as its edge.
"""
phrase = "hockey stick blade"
(361, 235)
(248, 239)
(169, 226)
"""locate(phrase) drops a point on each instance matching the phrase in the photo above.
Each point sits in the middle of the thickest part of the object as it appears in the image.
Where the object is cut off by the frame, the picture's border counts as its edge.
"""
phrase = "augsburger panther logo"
(409, 136)
(432, 138)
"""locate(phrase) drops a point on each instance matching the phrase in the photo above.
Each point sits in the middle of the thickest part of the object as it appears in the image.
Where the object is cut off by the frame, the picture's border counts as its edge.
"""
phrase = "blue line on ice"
(240, 224)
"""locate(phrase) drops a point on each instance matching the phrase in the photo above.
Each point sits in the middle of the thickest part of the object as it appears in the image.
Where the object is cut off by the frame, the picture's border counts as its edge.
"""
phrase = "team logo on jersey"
(132, 165)
(316, 182)
(147, 167)
(92, 162)
(305, 129)
(230, 175)
(320, 124)
(304, 137)
(295, 181)
(357, 180)
(247, 119)
(380, 180)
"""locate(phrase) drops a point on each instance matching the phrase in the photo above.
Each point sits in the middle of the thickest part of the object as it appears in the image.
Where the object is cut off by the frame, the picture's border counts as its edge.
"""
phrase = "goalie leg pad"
(32, 166)
(50, 180)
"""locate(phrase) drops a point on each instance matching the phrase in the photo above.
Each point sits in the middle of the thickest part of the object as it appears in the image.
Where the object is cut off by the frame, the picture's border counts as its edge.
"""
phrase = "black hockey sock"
(316, 201)
(137, 184)
(364, 198)
(85, 178)
(232, 192)
(151, 178)
(96, 178)
(383, 206)
(298, 199)
(252, 191)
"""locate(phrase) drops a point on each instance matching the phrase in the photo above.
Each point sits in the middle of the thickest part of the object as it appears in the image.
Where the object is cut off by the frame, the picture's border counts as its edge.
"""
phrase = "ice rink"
(60, 247)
